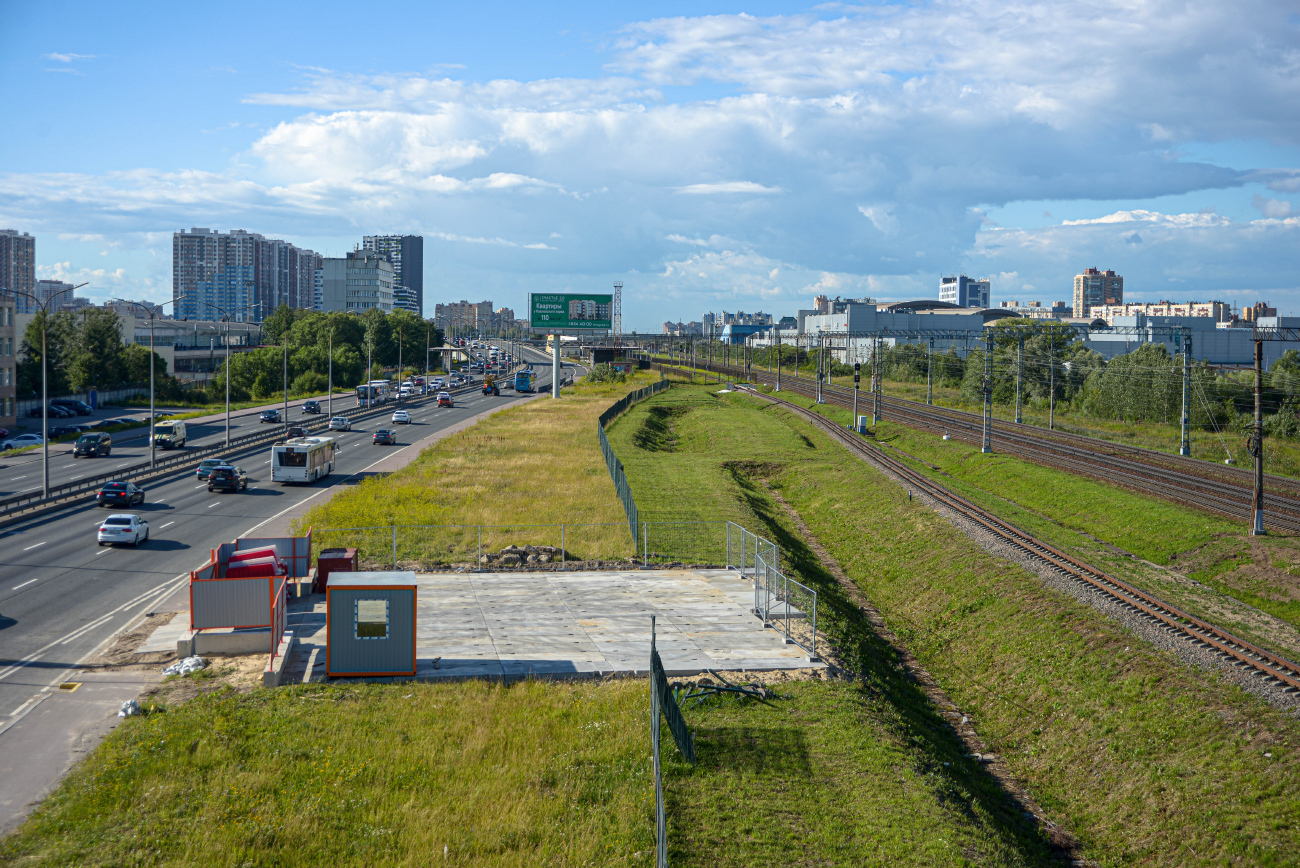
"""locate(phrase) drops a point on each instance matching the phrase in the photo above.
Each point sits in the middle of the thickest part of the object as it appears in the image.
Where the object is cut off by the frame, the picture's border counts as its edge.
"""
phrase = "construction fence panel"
(230, 603)
(700, 543)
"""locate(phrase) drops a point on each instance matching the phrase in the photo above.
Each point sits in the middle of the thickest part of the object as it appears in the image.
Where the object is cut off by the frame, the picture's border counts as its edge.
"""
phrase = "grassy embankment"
(1281, 457)
(1144, 760)
(532, 773)
(1093, 519)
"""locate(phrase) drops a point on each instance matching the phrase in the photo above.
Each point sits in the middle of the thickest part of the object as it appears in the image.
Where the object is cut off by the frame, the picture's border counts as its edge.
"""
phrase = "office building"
(962, 291)
(18, 267)
(361, 281)
(406, 252)
(1035, 309)
(239, 274)
(1094, 288)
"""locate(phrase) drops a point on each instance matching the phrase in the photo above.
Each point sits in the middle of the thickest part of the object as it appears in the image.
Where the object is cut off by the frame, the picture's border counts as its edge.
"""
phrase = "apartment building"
(406, 253)
(239, 274)
(1095, 288)
(361, 281)
(1219, 311)
(1035, 309)
(463, 316)
(18, 267)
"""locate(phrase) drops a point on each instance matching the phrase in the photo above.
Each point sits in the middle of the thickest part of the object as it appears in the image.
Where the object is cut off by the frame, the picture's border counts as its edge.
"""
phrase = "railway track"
(1186, 481)
(1272, 668)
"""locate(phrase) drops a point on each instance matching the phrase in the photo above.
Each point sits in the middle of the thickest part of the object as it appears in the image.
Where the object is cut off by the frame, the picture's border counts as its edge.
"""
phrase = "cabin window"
(372, 619)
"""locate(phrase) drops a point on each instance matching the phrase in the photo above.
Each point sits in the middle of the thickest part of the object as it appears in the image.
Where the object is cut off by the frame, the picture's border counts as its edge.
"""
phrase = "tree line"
(85, 351)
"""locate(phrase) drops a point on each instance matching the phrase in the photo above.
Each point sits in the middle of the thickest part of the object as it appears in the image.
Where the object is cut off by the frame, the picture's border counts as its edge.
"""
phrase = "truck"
(490, 386)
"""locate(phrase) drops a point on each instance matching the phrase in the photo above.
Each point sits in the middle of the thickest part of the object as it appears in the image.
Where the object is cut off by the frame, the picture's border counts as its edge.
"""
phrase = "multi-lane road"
(62, 595)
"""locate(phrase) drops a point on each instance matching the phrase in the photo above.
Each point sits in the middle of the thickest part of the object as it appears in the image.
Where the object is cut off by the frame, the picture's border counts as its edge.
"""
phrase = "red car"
(444, 399)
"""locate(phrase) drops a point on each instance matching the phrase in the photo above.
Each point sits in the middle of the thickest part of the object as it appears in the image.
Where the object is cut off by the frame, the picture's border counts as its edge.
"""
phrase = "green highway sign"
(580, 312)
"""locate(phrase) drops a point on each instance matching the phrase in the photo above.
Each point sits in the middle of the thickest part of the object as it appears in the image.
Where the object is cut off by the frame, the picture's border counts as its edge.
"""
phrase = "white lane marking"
(38, 545)
(124, 463)
(158, 591)
(16, 478)
(25, 584)
(102, 552)
(218, 503)
(167, 525)
(204, 485)
(86, 629)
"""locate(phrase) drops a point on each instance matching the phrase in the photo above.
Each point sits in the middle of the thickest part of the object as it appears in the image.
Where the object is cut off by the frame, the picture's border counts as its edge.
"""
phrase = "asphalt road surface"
(62, 595)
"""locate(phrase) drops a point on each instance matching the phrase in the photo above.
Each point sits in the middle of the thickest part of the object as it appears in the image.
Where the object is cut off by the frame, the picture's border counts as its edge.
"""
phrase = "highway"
(61, 595)
(22, 473)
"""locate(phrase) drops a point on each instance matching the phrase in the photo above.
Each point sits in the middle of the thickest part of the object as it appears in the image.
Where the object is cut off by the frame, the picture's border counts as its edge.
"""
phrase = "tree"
(95, 356)
(61, 334)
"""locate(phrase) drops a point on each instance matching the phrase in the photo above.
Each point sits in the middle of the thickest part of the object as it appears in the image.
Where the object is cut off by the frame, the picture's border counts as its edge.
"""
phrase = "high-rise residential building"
(406, 252)
(404, 299)
(1219, 311)
(463, 316)
(239, 274)
(964, 292)
(1257, 310)
(1094, 288)
(356, 283)
(57, 290)
(18, 267)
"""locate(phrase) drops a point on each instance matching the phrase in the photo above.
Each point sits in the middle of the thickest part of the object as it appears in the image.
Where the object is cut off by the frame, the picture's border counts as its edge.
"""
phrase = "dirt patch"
(242, 674)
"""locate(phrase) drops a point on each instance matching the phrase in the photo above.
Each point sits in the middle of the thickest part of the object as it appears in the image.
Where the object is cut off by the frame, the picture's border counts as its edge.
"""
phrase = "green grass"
(1145, 761)
(538, 463)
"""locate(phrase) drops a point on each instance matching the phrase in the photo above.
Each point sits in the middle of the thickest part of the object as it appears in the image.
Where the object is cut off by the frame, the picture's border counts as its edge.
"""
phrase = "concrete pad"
(572, 624)
(166, 636)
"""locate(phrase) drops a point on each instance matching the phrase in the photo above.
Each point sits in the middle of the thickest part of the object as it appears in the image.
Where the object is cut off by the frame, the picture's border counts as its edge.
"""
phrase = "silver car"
(123, 528)
(340, 423)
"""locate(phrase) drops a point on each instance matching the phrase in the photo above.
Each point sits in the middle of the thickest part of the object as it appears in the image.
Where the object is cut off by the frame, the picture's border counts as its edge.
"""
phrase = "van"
(92, 445)
(169, 434)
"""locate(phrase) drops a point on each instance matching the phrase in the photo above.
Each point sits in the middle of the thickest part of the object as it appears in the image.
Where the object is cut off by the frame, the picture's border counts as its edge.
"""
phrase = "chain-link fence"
(611, 460)
(475, 546)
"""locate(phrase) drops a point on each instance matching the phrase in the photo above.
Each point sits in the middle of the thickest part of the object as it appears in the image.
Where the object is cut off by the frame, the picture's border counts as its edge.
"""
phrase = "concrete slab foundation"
(572, 624)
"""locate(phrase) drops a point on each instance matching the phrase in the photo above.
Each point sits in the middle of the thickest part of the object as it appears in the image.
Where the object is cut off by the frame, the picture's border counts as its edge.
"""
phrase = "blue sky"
(710, 156)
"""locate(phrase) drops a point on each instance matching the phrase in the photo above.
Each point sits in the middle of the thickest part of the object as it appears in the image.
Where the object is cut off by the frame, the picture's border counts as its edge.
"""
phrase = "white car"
(123, 528)
(402, 417)
(340, 423)
(21, 441)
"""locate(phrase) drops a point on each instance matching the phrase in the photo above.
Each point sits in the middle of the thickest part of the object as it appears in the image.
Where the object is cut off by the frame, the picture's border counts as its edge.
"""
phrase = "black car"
(384, 437)
(119, 494)
(295, 431)
(269, 416)
(227, 477)
(93, 445)
(62, 431)
(311, 407)
(78, 408)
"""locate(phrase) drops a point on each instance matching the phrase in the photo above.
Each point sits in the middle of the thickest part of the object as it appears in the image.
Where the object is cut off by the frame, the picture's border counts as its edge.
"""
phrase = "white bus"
(302, 459)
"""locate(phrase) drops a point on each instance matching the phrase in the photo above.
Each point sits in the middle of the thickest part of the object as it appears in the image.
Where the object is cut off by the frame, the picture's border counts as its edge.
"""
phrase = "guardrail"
(68, 491)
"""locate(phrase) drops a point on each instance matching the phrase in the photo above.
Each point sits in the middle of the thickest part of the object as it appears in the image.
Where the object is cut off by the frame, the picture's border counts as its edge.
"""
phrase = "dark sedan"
(269, 416)
(385, 437)
(119, 494)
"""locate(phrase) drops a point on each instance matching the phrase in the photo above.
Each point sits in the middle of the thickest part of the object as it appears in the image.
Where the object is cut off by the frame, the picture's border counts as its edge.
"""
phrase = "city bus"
(525, 381)
(302, 459)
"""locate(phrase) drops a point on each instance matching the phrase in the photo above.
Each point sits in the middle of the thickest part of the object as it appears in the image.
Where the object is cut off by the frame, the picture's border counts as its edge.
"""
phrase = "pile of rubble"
(515, 556)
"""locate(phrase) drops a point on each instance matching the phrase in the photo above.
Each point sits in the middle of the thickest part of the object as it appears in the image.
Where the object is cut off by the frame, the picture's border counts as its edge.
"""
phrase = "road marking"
(102, 552)
(25, 584)
(38, 545)
(16, 478)
(167, 525)
(204, 485)
(167, 587)
(86, 629)
(124, 463)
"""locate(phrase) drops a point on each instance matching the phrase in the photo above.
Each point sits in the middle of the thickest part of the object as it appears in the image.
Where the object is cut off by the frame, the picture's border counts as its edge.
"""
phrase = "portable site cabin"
(370, 624)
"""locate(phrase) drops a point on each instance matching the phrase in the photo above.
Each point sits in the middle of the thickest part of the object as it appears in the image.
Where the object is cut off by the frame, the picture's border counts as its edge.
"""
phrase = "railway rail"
(1186, 481)
(1272, 668)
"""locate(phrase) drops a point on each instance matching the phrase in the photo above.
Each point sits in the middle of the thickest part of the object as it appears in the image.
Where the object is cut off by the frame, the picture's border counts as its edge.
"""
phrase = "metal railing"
(483, 547)
(777, 597)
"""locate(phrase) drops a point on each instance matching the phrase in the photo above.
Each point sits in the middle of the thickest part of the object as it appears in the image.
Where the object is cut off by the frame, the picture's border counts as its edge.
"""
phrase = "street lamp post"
(329, 397)
(45, 407)
(153, 314)
(225, 317)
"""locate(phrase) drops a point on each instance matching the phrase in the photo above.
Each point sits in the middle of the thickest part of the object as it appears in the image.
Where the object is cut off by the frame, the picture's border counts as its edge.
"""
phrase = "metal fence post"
(564, 553)
(645, 539)
(478, 562)
(394, 546)
(728, 545)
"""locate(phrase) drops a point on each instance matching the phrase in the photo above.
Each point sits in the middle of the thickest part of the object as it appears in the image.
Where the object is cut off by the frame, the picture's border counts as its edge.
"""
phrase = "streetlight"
(225, 317)
(329, 398)
(45, 408)
(153, 315)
